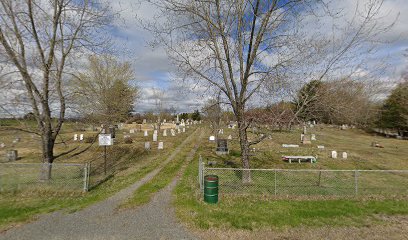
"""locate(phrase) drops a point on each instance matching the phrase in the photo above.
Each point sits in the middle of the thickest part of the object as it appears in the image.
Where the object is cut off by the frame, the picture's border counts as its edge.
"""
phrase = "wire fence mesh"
(285, 182)
(43, 177)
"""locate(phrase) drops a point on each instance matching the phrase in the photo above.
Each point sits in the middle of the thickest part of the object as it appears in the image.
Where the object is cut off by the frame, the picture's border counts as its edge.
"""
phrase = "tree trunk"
(244, 144)
(48, 155)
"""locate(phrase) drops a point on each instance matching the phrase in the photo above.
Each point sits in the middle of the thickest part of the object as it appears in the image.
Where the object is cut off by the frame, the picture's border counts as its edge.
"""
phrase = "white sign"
(105, 140)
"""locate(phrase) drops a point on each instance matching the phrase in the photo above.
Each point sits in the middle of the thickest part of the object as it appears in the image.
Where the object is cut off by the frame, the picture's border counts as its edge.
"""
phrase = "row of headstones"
(81, 137)
(188, 121)
(160, 146)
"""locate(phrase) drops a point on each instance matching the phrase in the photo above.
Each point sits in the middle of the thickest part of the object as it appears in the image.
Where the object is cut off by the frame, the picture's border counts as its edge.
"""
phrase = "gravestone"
(344, 155)
(145, 133)
(164, 120)
(165, 133)
(160, 146)
(17, 140)
(333, 154)
(229, 137)
(2, 145)
(132, 131)
(222, 146)
(155, 132)
(290, 145)
(320, 147)
(12, 155)
(313, 138)
(211, 138)
(75, 137)
(126, 136)
(306, 140)
(81, 137)
(173, 132)
(304, 130)
(112, 132)
(178, 130)
(144, 121)
(147, 145)
(154, 137)
(184, 130)
(301, 137)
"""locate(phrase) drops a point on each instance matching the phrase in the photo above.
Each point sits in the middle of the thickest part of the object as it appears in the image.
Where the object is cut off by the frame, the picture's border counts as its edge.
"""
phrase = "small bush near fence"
(283, 182)
(16, 177)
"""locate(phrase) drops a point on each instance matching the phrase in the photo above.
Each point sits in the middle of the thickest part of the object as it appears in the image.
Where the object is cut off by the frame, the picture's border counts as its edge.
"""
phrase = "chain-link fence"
(284, 182)
(43, 177)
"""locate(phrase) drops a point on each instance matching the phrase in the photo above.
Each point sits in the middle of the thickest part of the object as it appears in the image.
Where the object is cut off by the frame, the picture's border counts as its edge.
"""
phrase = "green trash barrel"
(211, 188)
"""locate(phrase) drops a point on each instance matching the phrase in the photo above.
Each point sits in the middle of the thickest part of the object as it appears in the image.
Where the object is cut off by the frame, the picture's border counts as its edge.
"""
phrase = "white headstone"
(132, 131)
(144, 121)
(75, 137)
(184, 130)
(313, 138)
(320, 147)
(333, 154)
(160, 146)
(290, 145)
(304, 130)
(173, 132)
(2, 145)
(178, 130)
(145, 133)
(229, 137)
(155, 132)
(344, 155)
(154, 137)
(211, 138)
(16, 140)
(301, 137)
(165, 133)
(81, 137)
(147, 145)
(164, 120)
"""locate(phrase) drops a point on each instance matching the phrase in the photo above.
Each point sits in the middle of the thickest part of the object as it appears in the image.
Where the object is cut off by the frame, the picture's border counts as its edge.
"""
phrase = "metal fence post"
(356, 182)
(275, 181)
(86, 177)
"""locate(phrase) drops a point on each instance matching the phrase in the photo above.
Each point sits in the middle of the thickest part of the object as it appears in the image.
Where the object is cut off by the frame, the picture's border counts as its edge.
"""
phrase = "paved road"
(155, 220)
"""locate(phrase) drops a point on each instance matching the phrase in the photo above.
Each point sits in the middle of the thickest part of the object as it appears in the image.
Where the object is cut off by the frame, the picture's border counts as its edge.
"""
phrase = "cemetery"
(170, 119)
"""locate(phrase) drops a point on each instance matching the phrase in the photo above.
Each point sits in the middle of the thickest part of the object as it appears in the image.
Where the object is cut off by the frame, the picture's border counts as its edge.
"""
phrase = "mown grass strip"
(255, 212)
(144, 194)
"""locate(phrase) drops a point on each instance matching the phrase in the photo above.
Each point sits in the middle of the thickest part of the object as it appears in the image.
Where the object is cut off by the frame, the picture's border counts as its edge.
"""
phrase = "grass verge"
(20, 207)
(254, 212)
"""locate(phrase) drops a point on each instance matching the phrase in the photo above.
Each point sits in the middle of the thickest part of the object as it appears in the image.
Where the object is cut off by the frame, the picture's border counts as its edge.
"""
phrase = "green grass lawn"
(133, 164)
(332, 203)
(258, 211)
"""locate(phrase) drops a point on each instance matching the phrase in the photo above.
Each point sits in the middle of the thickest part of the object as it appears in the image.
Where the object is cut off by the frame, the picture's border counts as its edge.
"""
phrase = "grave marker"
(165, 133)
(145, 133)
(12, 155)
(81, 137)
(147, 145)
(313, 138)
(154, 137)
(333, 154)
(173, 132)
(75, 137)
(211, 138)
(160, 146)
(344, 155)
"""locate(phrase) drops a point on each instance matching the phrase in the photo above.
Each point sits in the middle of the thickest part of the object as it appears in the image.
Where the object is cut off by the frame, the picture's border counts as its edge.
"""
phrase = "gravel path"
(155, 220)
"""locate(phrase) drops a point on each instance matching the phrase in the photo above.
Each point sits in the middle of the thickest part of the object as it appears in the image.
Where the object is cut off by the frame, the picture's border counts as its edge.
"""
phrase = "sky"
(154, 70)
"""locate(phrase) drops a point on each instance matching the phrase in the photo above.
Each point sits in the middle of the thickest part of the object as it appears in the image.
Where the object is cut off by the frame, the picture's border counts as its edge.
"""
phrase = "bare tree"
(37, 39)
(239, 46)
(103, 92)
